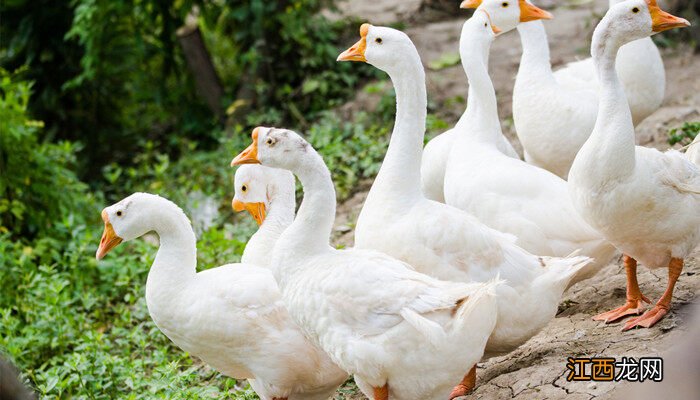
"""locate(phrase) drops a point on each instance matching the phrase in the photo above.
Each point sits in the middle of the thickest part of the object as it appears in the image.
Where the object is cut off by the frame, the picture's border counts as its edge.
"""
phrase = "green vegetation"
(684, 134)
(112, 75)
(77, 328)
(38, 182)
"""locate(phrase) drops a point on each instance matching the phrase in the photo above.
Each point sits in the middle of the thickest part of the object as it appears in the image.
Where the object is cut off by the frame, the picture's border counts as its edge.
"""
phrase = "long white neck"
(535, 61)
(482, 109)
(310, 232)
(611, 146)
(400, 171)
(280, 215)
(175, 264)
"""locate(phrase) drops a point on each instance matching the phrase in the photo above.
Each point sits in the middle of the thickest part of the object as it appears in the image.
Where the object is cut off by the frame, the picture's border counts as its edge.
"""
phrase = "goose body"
(232, 317)
(644, 201)
(440, 240)
(402, 334)
(551, 120)
(506, 193)
(432, 168)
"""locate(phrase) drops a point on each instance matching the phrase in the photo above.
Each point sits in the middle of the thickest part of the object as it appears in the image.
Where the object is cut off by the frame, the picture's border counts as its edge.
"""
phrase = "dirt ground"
(537, 370)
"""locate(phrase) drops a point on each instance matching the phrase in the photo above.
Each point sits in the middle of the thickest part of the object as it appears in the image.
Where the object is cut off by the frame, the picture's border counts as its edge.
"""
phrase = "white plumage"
(376, 317)
(644, 201)
(232, 317)
(506, 193)
(440, 240)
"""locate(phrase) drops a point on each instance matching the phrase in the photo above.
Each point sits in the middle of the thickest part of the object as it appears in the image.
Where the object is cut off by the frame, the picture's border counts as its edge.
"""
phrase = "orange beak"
(250, 154)
(529, 12)
(257, 210)
(357, 51)
(470, 4)
(109, 239)
(663, 21)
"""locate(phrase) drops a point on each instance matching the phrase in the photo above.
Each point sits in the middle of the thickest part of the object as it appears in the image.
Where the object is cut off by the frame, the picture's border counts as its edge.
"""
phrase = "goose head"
(631, 20)
(130, 218)
(276, 148)
(477, 31)
(382, 47)
(479, 28)
(507, 14)
(256, 186)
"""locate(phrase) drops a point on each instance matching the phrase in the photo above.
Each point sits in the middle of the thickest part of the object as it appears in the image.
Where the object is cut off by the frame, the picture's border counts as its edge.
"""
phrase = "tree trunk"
(207, 81)
(437, 10)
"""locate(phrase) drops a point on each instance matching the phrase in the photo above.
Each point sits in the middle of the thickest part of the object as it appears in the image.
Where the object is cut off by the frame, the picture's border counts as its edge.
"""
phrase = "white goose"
(231, 317)
(644, 201)
(268, 195)
(437, 239)
(435, 153)
(506, 193)
(554, 113)
(402, 334)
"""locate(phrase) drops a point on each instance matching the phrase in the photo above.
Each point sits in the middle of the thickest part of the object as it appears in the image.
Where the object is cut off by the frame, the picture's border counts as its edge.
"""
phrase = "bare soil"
(537, 370)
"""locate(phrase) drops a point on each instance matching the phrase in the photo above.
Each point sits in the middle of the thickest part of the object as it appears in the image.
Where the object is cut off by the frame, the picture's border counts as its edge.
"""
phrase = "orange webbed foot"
(648, 319)
(651, 317)
(631, 307)
(466, 385)
(459, 390)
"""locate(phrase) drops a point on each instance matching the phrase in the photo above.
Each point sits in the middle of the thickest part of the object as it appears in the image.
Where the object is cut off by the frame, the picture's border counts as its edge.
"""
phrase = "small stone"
(343, 229)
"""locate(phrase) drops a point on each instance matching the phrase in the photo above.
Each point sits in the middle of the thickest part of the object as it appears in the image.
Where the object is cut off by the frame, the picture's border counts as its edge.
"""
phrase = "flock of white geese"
(463, 250)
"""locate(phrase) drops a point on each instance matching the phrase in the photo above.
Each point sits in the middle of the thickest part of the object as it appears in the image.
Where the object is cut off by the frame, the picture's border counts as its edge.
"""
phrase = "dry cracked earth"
(537, 370)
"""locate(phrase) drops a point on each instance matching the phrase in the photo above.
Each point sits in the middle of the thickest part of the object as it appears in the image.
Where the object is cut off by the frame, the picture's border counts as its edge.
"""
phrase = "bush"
(75, 327)
(111, 76)
(81, 329)
(287, 56)
(38, 186)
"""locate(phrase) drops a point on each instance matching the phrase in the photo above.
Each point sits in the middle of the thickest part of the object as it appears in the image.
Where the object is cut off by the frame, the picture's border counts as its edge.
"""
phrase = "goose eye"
(119, 213)
(270, 141)
(244, 188)
(635, 10)
(485, 25)
(505, 4)
(378, 40)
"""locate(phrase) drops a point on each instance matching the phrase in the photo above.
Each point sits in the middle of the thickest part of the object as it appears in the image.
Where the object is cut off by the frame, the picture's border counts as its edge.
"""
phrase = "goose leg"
(468, 383)
(635, 298)
(651, 317)
(381, 393)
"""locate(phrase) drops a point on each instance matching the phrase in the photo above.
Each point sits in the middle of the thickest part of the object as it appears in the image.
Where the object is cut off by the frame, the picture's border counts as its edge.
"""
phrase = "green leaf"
(446, 60)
